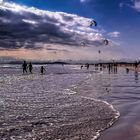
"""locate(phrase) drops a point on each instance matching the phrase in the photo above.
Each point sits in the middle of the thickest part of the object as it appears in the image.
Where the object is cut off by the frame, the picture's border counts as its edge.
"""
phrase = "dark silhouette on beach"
(42, 69)
(112, 68)
(101, 67)
(127, 70)
(115, 67)
(87, 65)
(136, 65)
(24, 67)
(109, 68)
(136, 76)
(30, 67)
(96, 66)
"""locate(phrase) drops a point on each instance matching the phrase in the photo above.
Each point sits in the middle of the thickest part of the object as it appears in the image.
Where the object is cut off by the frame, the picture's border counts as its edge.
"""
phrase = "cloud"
(121, 5)
(28, 32)
(136, 5)
(114, 34)
(25, 27)
(83, 0)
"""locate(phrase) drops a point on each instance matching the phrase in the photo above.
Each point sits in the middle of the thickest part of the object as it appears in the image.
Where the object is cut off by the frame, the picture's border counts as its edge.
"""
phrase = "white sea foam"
(116, 117)
(69, 92)
(49, 92)
(116, 113)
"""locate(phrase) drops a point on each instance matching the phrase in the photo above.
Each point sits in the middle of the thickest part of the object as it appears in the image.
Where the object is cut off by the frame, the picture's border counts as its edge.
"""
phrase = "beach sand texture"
(48, 107)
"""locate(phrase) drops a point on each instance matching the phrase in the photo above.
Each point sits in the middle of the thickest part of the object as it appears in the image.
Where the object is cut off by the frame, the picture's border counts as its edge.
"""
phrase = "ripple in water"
(48, 108)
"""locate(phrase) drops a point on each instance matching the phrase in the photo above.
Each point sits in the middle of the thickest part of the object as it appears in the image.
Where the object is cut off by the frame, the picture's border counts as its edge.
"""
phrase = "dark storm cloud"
(26, 27)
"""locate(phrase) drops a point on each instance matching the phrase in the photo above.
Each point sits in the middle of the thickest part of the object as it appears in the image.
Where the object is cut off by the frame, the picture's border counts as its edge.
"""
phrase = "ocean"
(66, 103)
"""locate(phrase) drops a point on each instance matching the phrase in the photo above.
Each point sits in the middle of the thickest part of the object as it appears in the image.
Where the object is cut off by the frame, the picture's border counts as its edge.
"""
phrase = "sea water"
(62, 104)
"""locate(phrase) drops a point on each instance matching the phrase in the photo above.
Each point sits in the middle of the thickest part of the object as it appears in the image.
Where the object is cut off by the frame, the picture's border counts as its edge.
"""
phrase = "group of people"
(26, 67)
(86, 65)
(112, 67)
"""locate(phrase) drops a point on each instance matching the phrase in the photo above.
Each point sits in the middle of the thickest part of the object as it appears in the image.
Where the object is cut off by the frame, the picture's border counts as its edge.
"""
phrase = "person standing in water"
(42, 69)
(24, 67)
(30, 67)
(136, 65)
(87, 66)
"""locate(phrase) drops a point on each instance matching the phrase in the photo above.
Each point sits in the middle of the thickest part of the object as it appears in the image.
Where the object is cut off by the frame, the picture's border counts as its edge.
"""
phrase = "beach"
(125, 97)
(68, 70)
(68, 103)
(48, 107)
(122, 90)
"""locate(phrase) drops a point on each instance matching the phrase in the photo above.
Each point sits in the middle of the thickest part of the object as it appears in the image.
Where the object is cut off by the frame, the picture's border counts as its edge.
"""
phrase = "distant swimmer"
(81, 66)
(30, 67)
(42, 69)
(24, 67)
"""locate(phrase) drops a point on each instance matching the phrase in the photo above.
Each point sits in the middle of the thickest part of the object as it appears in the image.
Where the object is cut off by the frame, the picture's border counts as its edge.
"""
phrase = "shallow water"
(122, 90)
(125, 96)
(51, 106)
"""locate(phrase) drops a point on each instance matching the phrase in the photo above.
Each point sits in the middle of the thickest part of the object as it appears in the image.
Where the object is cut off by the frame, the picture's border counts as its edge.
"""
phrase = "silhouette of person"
(109, 68)
(101, 67)
(87, 65)
(136, 65)
(42, 70)
(136, 76)
(30, 67)
(96, 66)
(115, 68)
(81, 66)
(127, 70)
(24, 67)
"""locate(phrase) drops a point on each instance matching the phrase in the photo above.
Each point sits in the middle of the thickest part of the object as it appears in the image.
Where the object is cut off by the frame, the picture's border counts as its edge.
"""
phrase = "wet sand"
(125, 96)
(45, 107)
(122, 90)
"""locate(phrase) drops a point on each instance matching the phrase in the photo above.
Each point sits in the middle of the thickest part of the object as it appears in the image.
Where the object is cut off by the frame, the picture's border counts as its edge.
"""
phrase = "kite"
(93, 22)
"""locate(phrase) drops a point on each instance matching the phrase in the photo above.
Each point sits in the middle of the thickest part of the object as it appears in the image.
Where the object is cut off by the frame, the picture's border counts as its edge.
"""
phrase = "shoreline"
(112, 122)
(83, 101)
(37, 106)
(124, 96)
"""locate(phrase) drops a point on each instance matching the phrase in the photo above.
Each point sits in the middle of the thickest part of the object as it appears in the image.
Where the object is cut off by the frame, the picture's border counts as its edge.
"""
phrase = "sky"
(60, 29)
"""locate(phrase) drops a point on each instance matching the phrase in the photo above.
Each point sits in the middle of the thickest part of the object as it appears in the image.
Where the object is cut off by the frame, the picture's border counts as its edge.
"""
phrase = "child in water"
(42, 70)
